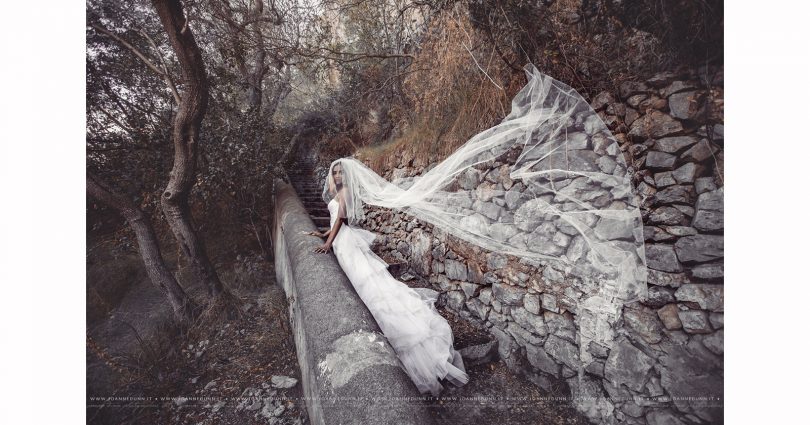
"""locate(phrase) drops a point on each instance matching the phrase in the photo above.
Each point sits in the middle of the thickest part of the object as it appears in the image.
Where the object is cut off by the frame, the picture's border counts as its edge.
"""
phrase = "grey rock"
(479, 354)
(538, 358)
(512, 196)
(485, 296)
(506, 344)
(576, 249)
(708, 271)
(689, 105)
(502, 232)
(279, 381)
(577, 141)
(709, 214)
(522, 336)
(701, 151)
(660, 278)
(714, 342)
(532, 303)
(606, 164)
(540, 241)
(532, 322)
(478, 308)
(716, 319)
(686, 209)
(628, 365)
(658, 296)
(695, 321)
(470, 289)
(469, 179)
(598, 350)
(496, 261)
(674, 194)
(596, 368)
(644, 323)
(687, 370)
(549, 302)
(455, 300)
(508, 294)
(685, 173)
(699, 248)
(680, 230)
(712, 200)
(662, 257)
(636, 99)
(664, 179)
(562, 351)
(455, 270)
(707, 296)
(602, 99)
(488, 209)
(704, 184)
(610, 228)
(666, 215)
(561, 239)
(655, 125)
(561, 325)
(589, 398)
(657, 159)
(421, 252)
(673, 145)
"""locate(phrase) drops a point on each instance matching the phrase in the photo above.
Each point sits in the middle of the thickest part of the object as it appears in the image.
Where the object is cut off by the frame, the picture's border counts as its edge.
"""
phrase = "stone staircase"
(302, 177)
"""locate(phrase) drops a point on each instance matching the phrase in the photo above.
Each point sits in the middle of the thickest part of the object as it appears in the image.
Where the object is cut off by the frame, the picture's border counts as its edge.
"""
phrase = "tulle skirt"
(420, 336)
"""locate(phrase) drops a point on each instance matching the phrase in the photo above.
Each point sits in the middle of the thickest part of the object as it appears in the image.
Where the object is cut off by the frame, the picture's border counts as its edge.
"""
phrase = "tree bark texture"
(156, 269)
(185, 135)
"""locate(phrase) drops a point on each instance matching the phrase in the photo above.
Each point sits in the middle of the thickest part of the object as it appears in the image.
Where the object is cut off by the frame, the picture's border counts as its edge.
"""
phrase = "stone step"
(321, 221)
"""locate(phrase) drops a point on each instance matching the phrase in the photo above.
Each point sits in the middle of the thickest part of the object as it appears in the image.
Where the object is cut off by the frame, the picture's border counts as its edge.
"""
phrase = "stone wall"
(658, 351)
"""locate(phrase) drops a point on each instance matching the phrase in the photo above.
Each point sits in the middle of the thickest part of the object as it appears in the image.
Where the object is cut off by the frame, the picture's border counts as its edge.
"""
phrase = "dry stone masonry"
(656, 361)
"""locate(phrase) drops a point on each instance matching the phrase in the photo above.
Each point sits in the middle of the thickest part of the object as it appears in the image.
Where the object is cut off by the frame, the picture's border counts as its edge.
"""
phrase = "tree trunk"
(185, 135)
(159, 274)
(256, 75)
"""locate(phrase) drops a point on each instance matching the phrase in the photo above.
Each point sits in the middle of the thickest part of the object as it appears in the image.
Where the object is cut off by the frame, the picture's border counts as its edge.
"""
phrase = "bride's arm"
(335, 228)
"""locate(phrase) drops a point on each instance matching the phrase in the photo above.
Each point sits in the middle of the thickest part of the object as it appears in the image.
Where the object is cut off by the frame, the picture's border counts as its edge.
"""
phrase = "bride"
(420, 336)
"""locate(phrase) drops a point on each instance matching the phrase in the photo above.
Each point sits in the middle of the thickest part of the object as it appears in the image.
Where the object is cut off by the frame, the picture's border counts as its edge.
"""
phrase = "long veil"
(547, 184)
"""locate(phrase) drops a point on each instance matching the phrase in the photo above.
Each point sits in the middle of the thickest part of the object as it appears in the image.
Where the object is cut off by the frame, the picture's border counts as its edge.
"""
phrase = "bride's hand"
(323, 248)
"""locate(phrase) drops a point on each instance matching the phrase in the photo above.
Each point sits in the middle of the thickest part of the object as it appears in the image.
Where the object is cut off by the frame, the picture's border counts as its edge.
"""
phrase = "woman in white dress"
(420, 336)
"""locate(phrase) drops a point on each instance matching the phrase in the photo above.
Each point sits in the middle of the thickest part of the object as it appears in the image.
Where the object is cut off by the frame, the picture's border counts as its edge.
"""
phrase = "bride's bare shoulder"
(341, 195)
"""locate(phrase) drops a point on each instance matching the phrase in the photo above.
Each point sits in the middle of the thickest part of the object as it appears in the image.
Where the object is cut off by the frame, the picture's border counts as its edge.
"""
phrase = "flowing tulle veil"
(548, 184)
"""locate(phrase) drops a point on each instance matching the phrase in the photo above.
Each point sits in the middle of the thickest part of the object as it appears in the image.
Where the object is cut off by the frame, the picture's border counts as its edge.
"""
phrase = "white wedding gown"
(408, 318)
